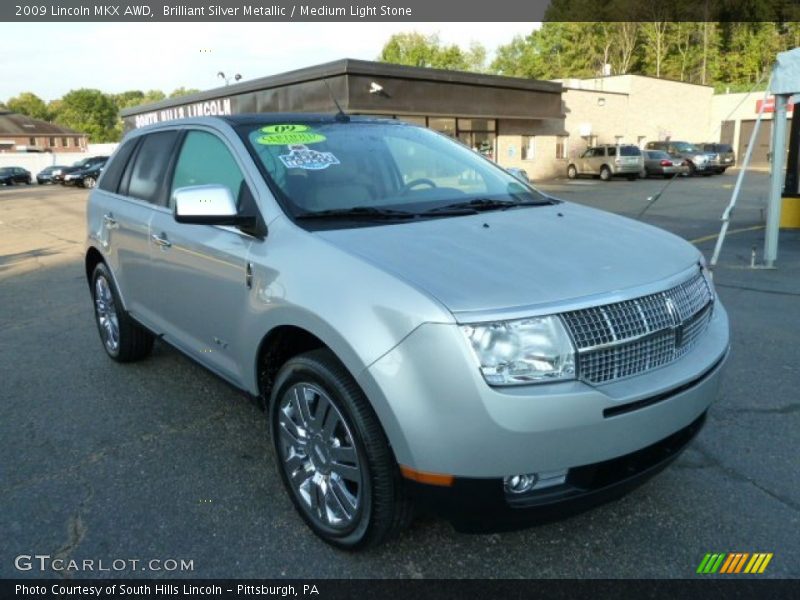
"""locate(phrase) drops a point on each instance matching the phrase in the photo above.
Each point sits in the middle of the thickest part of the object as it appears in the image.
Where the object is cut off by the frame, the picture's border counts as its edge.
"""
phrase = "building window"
(413, 119)
(64, 142)
(528, 147)
(446, 126)
(561, 146)
(31, 141)
(476, 124)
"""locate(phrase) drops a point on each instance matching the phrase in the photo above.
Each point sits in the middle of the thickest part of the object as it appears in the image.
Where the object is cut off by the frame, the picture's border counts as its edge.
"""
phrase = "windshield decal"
(287, 134)
(301, 157)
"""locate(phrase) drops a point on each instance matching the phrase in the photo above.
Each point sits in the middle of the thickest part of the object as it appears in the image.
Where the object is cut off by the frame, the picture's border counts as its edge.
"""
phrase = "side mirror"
(208, 205)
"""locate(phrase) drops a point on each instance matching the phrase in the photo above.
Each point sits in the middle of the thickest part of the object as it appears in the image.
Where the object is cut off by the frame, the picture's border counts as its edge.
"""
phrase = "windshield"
(5, 170)
(340, 166)
(657, 154)
(685, 147)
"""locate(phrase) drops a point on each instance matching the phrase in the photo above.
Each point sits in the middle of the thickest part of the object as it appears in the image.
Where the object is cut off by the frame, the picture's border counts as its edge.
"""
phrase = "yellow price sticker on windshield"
(287, 134)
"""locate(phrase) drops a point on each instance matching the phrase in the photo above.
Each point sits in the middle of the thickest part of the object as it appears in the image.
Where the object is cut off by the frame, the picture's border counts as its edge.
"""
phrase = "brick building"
(20, 133)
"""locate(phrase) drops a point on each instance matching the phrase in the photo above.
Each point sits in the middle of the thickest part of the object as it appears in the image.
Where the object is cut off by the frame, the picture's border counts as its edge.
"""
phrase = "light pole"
(227, 80)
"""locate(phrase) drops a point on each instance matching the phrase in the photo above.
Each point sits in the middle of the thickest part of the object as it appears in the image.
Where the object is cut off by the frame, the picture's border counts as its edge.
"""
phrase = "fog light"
(519, 484)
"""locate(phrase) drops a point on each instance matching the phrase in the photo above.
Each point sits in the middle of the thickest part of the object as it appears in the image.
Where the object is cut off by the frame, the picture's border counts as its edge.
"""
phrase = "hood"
(503, 260)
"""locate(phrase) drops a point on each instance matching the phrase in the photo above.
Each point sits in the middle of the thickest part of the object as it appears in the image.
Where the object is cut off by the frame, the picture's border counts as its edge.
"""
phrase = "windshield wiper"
(357, 212)
(481, 204)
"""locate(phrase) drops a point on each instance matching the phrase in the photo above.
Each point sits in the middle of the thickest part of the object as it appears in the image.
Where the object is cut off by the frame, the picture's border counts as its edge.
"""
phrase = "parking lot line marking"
(714, 236)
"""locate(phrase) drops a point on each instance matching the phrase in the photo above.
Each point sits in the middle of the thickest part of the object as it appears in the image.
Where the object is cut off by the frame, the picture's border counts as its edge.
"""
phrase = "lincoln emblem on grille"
(677, 325)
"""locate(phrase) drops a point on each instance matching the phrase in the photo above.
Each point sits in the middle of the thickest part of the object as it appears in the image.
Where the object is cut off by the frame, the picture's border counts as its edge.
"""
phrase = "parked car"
(479, 348)
(14, 175)
(520, 174)
(696, 159)
(658, 162)
(607, 161)
(59, 175)
(723, 155)
(87, 175)
(45, 176)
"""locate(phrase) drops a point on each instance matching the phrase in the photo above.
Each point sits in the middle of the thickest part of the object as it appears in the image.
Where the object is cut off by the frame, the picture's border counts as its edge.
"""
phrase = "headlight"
(524, 351)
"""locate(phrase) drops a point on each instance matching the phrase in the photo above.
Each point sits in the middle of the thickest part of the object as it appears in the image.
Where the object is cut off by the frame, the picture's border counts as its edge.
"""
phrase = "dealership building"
(535, 125)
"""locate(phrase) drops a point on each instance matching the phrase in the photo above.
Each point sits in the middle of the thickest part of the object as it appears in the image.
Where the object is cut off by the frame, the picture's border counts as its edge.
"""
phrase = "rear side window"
(144, 176)
(612, 151)
(205, 159)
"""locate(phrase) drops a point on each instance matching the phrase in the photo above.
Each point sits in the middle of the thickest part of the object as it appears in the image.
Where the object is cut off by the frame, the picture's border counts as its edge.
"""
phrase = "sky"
(115, 57)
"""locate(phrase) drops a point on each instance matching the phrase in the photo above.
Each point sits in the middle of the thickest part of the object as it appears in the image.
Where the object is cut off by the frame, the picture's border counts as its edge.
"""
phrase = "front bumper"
(441, 417)
(483, 505)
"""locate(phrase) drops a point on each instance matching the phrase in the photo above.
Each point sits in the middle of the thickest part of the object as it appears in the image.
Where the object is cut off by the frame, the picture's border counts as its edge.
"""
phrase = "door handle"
(110, 221)
(159, 241)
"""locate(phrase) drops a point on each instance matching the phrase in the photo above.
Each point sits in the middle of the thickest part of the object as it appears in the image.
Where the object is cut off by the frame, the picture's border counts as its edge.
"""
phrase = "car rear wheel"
(124, 340)
(89, 182)
(333, 457)
(572, 172)
(605, 173)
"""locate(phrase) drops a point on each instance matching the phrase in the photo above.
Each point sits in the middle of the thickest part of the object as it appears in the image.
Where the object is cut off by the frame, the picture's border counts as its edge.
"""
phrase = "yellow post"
(790, 213)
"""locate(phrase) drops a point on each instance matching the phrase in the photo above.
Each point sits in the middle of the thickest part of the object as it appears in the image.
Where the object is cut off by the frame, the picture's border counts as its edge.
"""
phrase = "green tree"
(182, 91)
(28, 103)
(418, 50)
(91, 112)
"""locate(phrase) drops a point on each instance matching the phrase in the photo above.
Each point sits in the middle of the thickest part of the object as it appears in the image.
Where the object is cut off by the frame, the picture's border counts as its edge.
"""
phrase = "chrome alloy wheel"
(319, 457)
(106, 311)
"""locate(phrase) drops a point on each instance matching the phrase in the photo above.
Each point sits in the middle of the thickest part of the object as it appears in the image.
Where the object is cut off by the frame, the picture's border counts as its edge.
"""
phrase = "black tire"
(134, 341)
(572, 172)
(632, 177)
(89, 182)
(605, 173)
(692, 170)
(385, 508)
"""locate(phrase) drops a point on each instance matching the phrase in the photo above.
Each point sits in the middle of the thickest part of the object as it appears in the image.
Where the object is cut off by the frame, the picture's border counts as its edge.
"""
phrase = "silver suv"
(424, 329)
(698, 160)
(608, 161)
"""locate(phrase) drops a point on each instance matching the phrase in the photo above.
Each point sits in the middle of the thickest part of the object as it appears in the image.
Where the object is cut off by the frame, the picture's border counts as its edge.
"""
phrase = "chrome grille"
(626, 338)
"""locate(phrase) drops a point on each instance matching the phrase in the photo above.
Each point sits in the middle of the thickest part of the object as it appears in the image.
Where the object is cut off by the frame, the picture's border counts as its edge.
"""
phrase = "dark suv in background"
(59, 175)
(723, 155)
(87, 175)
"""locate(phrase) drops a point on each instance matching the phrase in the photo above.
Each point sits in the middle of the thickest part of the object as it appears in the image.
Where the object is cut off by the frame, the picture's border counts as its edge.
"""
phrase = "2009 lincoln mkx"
(424, 329)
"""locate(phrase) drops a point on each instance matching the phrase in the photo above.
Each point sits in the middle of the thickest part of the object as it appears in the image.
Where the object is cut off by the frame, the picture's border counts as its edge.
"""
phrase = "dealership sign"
(221, 106)
(769, 105)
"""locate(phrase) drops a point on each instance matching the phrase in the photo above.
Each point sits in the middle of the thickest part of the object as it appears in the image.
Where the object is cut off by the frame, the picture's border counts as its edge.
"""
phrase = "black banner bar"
(438, 589)
(398, 10)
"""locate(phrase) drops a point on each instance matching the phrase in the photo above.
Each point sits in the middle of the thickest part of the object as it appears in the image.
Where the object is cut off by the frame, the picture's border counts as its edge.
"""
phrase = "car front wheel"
(605, 173)
(89, 182)
(572, 172)
(333, 457)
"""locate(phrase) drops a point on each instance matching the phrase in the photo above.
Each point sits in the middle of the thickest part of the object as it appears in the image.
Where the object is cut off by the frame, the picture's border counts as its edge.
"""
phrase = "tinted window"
(629, 151)
(145, 176)
(612, 151)
(205, 159)
(110, 179)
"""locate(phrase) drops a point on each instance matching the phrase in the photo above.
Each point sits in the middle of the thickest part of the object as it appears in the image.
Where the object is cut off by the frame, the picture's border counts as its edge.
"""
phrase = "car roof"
(258, 118)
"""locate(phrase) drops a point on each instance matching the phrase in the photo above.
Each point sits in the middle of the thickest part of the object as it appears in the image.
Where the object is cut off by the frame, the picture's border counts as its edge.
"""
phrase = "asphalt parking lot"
(162, 460)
